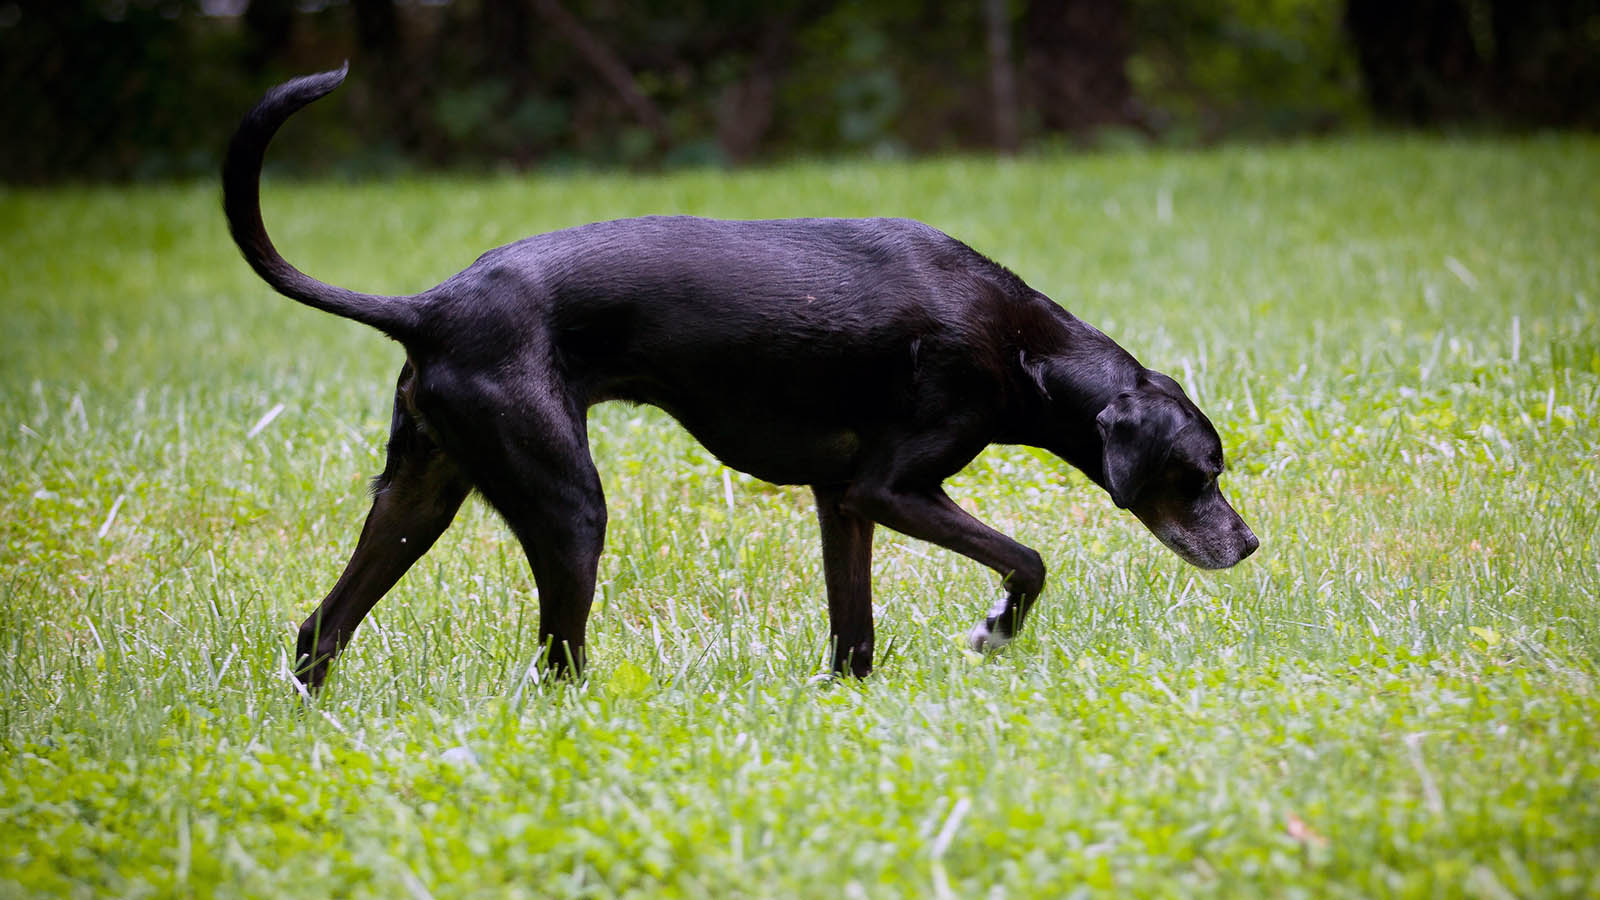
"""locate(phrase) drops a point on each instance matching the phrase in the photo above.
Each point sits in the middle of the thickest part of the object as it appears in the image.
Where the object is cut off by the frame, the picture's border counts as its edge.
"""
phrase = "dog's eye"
(1185, 481)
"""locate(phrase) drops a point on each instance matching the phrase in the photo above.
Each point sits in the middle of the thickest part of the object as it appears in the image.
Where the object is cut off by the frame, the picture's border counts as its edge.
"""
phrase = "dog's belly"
(786, 421)
(781, 453)
(773, 442)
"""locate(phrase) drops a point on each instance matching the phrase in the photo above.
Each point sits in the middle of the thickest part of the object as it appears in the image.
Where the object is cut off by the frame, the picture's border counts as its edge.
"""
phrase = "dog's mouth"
(1210, 537)
(1206, 553)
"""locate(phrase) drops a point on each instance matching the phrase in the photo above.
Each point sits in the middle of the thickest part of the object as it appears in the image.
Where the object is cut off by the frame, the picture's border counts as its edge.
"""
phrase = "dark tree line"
(131, 88)
(1528, 62)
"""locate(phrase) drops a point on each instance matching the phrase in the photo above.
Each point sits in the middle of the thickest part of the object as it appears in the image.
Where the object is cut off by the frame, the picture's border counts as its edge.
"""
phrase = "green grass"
(1399, 341)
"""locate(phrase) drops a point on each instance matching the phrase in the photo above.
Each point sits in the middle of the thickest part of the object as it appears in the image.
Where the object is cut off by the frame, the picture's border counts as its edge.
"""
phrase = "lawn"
(1399, 341)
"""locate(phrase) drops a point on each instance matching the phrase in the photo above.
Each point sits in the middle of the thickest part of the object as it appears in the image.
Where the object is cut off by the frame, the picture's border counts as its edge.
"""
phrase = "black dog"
(870, 359)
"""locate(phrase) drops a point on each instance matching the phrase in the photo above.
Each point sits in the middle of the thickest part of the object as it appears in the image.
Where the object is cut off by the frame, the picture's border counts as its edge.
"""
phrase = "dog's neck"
(1081, 371)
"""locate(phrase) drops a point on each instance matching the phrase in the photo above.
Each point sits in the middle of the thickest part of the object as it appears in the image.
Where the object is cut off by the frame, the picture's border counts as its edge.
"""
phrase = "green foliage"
(1395, 696)
(1265, 66)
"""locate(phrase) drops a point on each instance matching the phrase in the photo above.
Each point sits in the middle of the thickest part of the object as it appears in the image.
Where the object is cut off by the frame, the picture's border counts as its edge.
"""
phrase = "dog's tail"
(241, 201)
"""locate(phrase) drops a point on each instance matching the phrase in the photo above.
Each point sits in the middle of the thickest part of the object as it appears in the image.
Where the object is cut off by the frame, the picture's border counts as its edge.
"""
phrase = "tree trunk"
(608, 65)
(1002, 74)
(1075, 63)
(1417, 58)
(270, 25)
(393, 95)
(1547, 61)
(377, 27)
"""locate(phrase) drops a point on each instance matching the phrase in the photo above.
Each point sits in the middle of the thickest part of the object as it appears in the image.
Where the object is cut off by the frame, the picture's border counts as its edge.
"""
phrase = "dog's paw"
(984, 639)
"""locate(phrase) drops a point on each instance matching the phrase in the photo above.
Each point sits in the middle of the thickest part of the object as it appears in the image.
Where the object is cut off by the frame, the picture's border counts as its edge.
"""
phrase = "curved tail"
(241, 201)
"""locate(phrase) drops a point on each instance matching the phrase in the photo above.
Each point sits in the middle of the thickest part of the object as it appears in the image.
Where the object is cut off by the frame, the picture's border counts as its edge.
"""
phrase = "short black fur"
(869, 359)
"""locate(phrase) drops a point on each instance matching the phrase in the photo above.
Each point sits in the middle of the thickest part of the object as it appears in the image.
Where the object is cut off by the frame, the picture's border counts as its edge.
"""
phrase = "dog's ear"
(1035, 367)
(1136, 430)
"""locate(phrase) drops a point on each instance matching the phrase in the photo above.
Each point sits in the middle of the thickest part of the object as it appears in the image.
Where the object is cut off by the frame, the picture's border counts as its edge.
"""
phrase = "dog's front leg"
(930, 515)
(847, 568)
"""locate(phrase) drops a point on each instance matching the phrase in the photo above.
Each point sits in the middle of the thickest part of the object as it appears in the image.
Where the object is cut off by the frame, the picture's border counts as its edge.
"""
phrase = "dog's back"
(783, 345)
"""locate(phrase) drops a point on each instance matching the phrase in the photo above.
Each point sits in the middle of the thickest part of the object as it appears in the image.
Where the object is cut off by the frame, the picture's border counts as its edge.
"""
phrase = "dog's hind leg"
(847, 569)
(526, 445)
(413, 502)
(559, 515)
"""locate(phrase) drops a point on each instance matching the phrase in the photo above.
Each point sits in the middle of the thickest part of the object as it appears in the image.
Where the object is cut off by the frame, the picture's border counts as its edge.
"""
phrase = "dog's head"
(1162, 459)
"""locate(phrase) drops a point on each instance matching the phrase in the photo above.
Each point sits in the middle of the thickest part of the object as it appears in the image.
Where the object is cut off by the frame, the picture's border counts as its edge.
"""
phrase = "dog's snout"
(1251, 542)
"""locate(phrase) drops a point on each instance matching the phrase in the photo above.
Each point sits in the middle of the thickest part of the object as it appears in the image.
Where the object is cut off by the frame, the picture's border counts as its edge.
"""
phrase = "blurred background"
(137, 89)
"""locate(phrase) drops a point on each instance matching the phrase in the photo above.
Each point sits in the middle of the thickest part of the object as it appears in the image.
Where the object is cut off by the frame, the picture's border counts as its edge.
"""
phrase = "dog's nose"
(1251, 542)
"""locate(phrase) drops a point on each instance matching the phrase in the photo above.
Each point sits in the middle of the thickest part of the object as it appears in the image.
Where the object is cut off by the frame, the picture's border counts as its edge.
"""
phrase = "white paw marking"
(983, 640)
